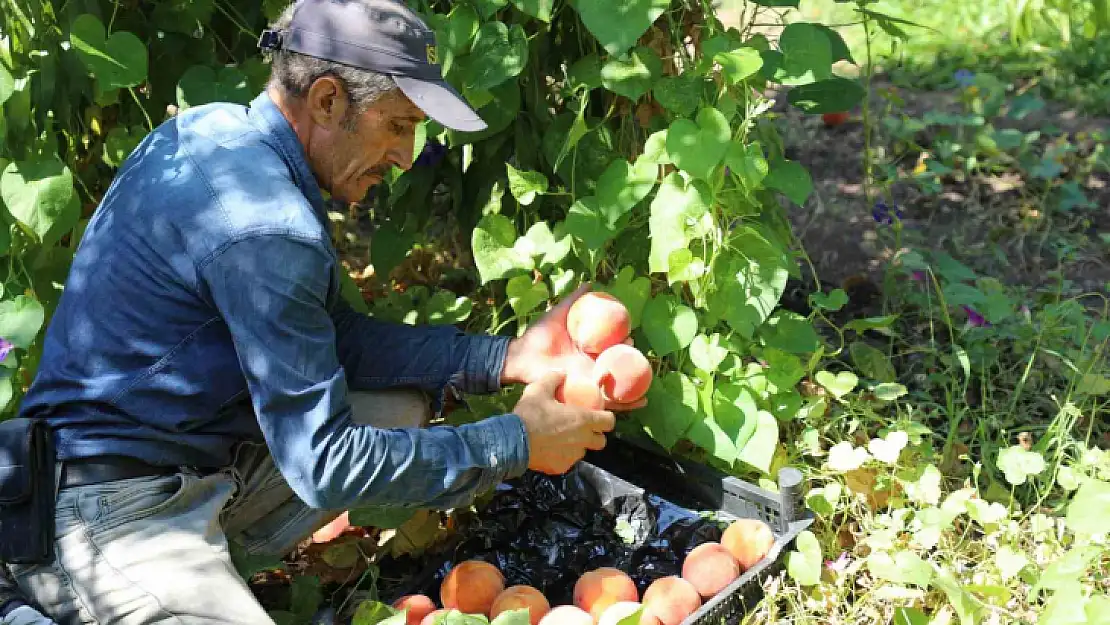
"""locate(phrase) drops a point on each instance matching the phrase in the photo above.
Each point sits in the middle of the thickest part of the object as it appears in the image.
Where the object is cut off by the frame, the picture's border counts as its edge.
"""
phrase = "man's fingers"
(547, 384)
(617, 406)
(596, 442)
(601, 420)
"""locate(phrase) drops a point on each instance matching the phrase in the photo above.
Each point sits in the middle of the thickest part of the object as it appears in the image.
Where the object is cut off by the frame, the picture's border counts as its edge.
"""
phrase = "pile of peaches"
(602, 596)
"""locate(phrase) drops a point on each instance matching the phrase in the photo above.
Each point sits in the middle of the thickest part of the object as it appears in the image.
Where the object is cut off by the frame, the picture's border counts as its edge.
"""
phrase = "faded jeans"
(154, 550)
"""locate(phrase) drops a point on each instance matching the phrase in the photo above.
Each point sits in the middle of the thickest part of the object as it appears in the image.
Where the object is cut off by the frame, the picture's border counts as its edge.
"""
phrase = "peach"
(580, 391)
(418, 607)
(600, 588)
(567, 615)
(669, 600)
(598, 320)
(471, 586)
(617, 612)
(623, 373)
(748, 540)
(710, 567)
(520, 597)
(430, 619)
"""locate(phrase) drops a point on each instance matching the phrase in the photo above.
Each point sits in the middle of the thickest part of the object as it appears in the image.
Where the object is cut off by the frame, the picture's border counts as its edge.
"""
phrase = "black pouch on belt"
(27, 494)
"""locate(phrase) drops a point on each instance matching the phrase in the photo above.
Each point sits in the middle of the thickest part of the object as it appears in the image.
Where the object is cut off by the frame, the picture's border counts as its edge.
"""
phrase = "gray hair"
(294, 73)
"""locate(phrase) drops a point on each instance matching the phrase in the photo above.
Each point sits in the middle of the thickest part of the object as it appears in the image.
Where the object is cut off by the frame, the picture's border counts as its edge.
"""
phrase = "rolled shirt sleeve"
(285, 339)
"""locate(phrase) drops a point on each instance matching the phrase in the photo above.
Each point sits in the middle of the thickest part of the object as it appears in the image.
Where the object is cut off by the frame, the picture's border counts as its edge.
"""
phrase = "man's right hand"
(558, 434)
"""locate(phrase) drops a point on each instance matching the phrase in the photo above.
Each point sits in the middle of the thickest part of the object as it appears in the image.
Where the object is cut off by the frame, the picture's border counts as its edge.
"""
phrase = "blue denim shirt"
(203, 308)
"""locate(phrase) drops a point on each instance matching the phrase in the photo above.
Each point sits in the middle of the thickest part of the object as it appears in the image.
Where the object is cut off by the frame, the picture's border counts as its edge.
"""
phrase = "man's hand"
(546, 345)
(558, 434)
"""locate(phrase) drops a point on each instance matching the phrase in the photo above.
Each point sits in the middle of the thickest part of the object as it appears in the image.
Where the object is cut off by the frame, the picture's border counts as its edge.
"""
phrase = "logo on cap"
(432, 53)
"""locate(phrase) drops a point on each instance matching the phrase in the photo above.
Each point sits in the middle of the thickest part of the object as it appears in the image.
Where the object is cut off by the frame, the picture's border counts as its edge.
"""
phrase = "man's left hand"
(547, 345)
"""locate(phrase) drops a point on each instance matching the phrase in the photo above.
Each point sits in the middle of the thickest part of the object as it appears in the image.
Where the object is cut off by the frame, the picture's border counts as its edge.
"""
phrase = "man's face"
(353, 151)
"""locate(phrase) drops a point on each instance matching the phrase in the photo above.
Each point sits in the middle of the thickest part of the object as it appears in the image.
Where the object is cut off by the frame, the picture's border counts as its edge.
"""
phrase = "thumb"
(547, 384)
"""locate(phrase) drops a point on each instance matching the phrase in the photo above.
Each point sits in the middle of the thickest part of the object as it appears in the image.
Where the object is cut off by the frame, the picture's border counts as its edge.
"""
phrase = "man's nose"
(402, 156)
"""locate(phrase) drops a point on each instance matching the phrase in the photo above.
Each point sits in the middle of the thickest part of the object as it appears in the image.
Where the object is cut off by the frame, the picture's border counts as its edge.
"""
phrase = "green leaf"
(839, 384)
(832, 95)
(735, 411)
(117, 62)
(539, 9)
(968, 609)
(750, 279)
(1089, 509)
(791, 179)
(1010, 562)
(380, 517)
(708, 435)
(889, 391)
(804, 563)
(540, 242)
(7, 84)
(739, 64)
(871, 362)
(389, 247)
(785, 370)
(807, 53)
(748, 163)
(679, 94)
(460, 27)
(306, 596)
(343, 555)
(905, 567)
(675, 205)
(586, 222)
(1066, 607)
(759, 451)
(526, 295)
(706, 352)
(633, 76)
(1018, 464)
(839, 49)
(200, 84)
(455, 617)
(446, 308)
(39, 195)
(486, 8)
(617, 24)
(499, 53)
(669, 325)
(790, 332)
(494, 255)
(623, 185)
(525, 185)
(672, 407)
(1098, 610)
(655, 148)
(633, 291)
(698, 146)
(910, 616)
(375, 612)
(519, 616)
(120, 142)
(834, 301)
(683, 266)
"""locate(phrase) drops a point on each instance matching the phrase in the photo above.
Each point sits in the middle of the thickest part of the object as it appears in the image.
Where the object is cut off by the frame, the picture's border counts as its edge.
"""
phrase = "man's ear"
(327, 101)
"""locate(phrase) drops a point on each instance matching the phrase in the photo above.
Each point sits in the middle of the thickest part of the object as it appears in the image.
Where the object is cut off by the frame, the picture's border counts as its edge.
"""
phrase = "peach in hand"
(597, 321)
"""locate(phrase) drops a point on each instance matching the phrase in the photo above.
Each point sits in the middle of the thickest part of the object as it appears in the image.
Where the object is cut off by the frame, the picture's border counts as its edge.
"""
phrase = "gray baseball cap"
(383, 36)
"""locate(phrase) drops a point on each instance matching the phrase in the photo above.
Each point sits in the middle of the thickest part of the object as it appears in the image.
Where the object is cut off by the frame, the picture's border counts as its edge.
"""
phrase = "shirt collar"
(265, 113)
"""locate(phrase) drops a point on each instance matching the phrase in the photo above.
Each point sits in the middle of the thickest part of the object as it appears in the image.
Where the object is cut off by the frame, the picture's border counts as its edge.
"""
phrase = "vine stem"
(868, 74)
(112, 20)
(134, 96)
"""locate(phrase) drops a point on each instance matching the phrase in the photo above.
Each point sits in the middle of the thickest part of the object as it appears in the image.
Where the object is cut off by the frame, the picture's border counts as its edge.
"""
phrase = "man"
(203, 377)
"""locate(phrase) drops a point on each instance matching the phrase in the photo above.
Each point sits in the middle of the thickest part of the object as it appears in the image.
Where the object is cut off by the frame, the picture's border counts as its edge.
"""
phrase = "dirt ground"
(992, 223)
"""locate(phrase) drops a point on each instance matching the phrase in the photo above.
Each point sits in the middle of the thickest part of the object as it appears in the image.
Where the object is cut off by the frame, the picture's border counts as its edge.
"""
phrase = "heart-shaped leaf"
(617, 24)
(633, 76)
(201, 84)
(751, 278)
(525, 185)
(905, 567)
(7, 84)
(623, 185)
(670, 326)
(634, 292)
(748, 163)
(117, 62)
(21, 318)
(672, 407)
(586, 222)
(740, 63)
(839, 384)
(39, 195)
(539, 242)
(446, 308)
(707, 353)
(698, 146)
(807, 54)
(539, 9)
(676, 205)
(526, 295)
(499, 53)
(1018, 464)
(889, 391)
(832, 95)
(1089, 509)
(492, 243)
(888, 448)
(120, 142)
(679, 94)
(871, 362)
(843, 457)
(791, 179)
(804, 564)
(759, 451)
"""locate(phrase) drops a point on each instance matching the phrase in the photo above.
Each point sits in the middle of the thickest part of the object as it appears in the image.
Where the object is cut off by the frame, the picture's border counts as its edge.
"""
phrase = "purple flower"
(5, 348)
(431, 155)
(974, 318)
(918, 276)
(964, 78)
(881, 213)
(840, 564)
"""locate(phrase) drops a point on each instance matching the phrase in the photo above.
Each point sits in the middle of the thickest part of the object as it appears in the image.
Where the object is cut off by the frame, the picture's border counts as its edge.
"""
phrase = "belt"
(100, 469)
